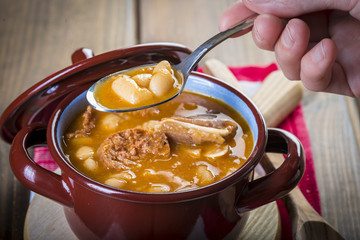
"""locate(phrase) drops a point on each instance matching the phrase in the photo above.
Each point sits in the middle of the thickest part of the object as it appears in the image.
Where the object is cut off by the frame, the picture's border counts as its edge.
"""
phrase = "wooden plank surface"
(334, 133)
(37, 38)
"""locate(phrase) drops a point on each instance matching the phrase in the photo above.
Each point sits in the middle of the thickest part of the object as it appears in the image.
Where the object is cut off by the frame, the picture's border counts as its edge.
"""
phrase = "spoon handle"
(188, 64)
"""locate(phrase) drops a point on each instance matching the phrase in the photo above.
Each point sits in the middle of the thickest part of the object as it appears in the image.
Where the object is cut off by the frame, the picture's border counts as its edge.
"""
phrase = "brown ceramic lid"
(38, 102)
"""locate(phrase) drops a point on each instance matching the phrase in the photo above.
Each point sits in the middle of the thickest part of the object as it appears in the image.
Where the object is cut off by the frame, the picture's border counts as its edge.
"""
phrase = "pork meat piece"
(196, 131)
(88, 123)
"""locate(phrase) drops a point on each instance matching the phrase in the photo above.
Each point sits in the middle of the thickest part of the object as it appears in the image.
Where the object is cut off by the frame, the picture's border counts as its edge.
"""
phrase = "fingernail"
(318, 53)
(287, 37)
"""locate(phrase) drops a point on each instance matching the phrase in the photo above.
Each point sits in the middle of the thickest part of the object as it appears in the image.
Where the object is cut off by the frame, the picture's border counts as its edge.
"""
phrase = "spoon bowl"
(90, 95)
(182, 69)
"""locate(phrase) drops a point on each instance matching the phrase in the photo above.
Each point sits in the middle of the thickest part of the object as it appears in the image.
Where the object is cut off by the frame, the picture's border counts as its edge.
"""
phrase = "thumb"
(234, 15)
(293, 8)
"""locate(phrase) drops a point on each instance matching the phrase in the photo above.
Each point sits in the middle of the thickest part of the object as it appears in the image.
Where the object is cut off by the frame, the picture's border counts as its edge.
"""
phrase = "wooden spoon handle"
(219, 70)
(276, 99)
(306, 222)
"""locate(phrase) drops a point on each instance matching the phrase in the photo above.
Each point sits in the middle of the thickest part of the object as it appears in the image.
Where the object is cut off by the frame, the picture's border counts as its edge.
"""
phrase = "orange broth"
(189, 165)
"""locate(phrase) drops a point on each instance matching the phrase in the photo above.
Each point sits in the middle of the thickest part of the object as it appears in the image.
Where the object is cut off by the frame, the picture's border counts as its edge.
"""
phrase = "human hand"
(315, 41)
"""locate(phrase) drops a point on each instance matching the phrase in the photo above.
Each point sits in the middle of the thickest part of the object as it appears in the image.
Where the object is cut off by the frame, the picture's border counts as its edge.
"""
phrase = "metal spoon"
(185, 67)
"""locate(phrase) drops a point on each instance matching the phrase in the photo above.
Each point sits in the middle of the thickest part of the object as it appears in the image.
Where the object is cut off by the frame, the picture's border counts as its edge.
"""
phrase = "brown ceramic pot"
(97, 211)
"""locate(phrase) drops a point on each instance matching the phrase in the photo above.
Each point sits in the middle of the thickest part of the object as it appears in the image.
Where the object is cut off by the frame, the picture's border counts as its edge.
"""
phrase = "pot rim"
(35, 104)
(70, 171)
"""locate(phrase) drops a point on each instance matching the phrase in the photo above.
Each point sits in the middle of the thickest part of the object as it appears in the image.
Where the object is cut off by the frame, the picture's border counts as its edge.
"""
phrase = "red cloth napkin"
(294, 123)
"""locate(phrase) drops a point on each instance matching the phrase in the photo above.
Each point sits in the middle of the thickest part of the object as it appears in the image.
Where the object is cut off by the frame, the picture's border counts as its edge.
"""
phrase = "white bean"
(142, 79)
(159, 188)
(127, 89)
(161, 83)
(126, 175)
(163, 66)
(114, 182)
(204, 175)
(150, 125)
(84, 152)
(90, 164)
(110, 121)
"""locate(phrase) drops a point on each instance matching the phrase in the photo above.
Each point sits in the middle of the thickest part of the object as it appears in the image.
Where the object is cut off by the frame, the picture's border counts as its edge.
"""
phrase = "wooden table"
(38, 37)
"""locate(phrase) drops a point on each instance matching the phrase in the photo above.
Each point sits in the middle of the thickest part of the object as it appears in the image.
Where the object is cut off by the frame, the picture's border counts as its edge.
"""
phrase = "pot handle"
(82, 54)
(32, 175)
(282, 180)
